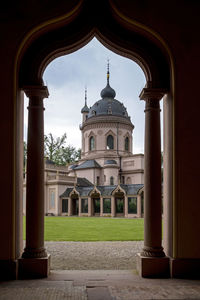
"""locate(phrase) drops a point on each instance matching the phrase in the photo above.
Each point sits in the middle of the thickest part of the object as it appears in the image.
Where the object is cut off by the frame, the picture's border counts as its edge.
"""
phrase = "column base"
(34, 267)
(185, 268)
(8, 269)
(153, 267)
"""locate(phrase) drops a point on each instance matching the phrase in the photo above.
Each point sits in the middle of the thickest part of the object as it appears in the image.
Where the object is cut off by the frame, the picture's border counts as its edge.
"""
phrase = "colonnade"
(91, 212)
(152, 260)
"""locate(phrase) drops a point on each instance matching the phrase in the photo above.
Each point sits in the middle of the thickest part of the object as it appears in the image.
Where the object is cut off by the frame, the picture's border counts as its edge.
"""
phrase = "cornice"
(106, 125)
(132, 171)
(110, 166)
(106, 121)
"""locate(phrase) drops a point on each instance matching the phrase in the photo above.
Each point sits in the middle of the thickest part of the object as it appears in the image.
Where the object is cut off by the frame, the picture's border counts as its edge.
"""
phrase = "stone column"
(89, 206)
(69, 206)
(152, 187)
(139, 206)
(126, 206)
(79, 206)
(101, 206)
(35, 185)
(113, 208)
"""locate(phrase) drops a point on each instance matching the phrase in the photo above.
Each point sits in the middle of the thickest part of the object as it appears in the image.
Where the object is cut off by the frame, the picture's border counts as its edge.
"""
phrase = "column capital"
(152, 93)
(36, 91)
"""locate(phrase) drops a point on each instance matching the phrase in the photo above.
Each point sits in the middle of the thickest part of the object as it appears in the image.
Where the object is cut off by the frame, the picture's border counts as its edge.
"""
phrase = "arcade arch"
(131, 41)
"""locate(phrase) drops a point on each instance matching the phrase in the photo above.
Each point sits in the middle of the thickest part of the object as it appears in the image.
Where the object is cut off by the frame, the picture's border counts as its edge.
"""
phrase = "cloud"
(66, 78)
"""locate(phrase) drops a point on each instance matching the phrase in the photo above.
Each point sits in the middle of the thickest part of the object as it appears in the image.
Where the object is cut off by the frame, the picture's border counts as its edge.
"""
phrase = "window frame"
(126, 143)
(107, 147)
(91, 143)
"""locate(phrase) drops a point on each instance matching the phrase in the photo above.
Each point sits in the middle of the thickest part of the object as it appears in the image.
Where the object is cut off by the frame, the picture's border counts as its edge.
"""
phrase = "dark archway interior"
(110, 33)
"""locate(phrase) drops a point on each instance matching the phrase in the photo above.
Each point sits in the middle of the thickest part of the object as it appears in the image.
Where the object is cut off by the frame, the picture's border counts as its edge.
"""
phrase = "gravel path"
(93, 255)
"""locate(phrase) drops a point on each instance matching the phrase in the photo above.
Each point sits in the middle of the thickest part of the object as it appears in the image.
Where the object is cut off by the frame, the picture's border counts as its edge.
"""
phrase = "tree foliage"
(57, 151)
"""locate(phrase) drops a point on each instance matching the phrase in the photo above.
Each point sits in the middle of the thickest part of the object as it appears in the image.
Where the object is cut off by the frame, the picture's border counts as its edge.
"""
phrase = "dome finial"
(108, 71)
(85, 95)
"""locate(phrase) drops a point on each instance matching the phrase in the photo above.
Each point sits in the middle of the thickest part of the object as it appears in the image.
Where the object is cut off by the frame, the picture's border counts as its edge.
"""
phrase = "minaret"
(85, 109)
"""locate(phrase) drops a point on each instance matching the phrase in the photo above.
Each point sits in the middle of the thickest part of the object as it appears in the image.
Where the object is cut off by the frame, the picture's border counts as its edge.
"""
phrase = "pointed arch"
(74, 192)
(110, 142)
(118, 189)
(95, 191)
(91, 141)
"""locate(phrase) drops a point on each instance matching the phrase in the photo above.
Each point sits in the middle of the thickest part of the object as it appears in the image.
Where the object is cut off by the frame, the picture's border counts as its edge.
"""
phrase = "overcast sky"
(66, 78)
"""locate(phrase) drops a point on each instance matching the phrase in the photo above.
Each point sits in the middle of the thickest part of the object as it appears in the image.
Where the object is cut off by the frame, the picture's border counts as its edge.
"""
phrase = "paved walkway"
(93, 255)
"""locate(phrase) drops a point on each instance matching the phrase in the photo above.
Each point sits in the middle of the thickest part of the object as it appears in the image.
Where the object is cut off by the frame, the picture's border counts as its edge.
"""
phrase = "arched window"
(126, 144)
(128, 180)
(110, 142)
(91, 142)
(111, 180)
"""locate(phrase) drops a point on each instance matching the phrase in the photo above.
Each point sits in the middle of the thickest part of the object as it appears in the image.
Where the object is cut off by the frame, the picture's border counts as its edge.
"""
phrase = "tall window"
(52, 198)
(106, 205)
(126, 144)
(91, 141)
(84, 205)
(128, 180)
(111, 180)
(132, 205)
(98, 180)
(110, 142)
(64, 205)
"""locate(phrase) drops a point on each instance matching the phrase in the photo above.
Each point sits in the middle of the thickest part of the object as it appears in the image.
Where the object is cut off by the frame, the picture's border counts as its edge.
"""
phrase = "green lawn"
(92, 229)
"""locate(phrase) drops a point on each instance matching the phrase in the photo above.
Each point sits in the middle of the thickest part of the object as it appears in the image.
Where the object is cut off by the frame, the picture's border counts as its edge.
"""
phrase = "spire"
(86, 96)
(108, 71)
(85, 109)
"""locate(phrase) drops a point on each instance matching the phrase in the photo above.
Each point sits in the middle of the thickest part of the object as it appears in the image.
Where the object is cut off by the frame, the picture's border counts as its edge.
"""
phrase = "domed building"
(107, 138)
(108, 179)
(107, 161)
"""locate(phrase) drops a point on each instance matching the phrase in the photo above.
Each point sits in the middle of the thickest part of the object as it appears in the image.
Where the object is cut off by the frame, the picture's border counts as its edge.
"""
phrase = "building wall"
(100, 134)
(133, 162)
(111, 172)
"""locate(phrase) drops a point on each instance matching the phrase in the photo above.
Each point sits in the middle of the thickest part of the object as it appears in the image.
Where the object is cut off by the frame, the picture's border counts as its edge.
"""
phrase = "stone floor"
(97, 271)
(98, 285)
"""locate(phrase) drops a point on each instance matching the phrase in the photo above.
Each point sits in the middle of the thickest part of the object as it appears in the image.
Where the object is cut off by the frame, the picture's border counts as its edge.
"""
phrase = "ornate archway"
(125, 38)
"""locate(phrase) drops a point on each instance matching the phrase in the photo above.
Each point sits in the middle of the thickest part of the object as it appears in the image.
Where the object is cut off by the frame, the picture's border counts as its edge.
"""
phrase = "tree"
(67, 155)
(56, 150)
(53, 145)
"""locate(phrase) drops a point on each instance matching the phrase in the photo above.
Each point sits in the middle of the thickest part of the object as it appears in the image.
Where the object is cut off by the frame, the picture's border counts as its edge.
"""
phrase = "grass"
(92, 229)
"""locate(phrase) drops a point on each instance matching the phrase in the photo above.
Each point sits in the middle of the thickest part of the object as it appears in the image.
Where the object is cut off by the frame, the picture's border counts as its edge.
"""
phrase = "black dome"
(108, 105)
(108, 92)
(85, 109)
